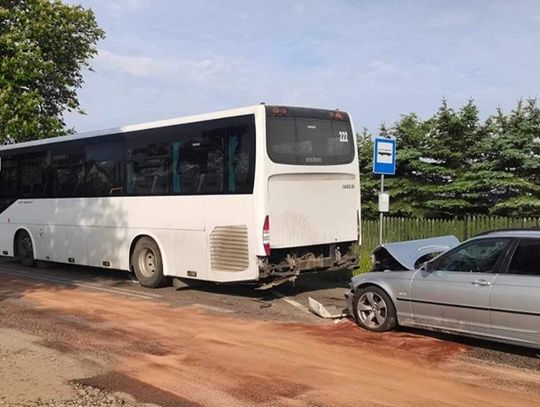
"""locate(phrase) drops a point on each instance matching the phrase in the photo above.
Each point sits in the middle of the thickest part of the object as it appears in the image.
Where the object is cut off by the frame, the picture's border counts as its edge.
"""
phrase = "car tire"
(374, 310)
(24, 249)
(147, 264)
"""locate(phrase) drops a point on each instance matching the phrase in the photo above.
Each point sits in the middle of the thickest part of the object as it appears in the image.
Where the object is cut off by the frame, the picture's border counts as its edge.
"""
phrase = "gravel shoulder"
(33, 375)
(29, 370)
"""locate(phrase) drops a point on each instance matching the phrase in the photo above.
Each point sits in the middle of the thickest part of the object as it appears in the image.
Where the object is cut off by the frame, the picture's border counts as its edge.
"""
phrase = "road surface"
(230, 346)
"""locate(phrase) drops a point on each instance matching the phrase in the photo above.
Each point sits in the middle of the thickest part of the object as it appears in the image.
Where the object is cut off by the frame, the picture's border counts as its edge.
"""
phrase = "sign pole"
(381, 214)
(384, 163)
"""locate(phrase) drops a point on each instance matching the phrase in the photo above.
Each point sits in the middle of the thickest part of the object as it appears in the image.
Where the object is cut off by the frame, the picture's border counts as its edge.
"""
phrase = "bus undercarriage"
(285, 265)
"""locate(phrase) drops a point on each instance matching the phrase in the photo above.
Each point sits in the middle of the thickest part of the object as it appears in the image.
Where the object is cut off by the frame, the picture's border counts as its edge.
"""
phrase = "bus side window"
(104, 170)
(8, 182)
(201, 163)
(148, 169)
(8, 178)
(191, 165)
(177, 186)
(33, 175)
(233, 143)
(214, 167)
(240, 153)
(68, 173)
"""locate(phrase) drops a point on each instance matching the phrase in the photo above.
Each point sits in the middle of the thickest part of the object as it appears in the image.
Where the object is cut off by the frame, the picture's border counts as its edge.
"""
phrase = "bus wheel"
(147, 263)
(24, 250)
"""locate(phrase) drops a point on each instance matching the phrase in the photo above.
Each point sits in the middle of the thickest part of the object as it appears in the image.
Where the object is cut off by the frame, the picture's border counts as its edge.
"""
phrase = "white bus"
(256, 194)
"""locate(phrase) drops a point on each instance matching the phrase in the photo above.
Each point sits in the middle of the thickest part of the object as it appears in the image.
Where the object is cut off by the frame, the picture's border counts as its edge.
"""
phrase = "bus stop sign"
(384, 156)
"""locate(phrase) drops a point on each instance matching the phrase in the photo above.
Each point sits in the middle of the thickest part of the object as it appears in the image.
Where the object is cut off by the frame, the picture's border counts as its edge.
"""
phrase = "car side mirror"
(429, 266)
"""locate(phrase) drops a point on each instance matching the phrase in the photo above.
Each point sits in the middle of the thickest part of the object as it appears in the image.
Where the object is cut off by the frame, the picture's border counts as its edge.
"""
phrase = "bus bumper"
(287, 264)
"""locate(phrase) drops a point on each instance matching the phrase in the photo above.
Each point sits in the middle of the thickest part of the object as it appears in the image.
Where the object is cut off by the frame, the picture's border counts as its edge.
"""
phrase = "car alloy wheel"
(372, 310)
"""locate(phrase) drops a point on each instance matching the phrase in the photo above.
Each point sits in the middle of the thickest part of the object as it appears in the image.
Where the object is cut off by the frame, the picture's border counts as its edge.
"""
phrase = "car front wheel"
(374, 310)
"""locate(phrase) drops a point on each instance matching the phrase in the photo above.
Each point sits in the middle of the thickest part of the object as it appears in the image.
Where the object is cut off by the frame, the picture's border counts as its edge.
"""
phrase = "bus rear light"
(359, 226)
(280, 111)
(338, 116)
(266, 235)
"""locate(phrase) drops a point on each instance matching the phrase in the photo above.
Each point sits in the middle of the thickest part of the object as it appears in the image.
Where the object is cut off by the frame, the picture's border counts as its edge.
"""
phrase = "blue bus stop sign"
(384, 156)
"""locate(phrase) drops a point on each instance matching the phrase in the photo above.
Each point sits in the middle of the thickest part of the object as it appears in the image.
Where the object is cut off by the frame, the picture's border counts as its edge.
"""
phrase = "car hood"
(405, 255)
(381, 278)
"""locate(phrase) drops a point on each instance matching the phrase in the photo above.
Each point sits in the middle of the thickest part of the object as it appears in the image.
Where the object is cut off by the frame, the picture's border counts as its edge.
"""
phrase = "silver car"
(488, 287)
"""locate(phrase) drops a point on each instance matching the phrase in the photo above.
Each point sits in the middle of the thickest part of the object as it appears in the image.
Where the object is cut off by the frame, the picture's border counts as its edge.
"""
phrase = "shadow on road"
(306, 283)
(16, 280)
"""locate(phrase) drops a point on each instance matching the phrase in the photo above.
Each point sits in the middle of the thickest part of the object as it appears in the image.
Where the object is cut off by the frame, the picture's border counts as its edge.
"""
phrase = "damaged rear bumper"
(287, 264)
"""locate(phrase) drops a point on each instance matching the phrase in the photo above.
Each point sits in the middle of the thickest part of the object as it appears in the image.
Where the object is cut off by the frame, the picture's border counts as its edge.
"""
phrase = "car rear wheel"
(374, 310)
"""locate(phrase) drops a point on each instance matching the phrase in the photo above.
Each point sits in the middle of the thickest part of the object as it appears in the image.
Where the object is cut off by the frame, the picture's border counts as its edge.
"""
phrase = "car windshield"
(479, 256)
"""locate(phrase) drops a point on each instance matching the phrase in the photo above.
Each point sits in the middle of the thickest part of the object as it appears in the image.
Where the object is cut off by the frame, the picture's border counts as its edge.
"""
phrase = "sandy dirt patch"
(29, 371)
(187, 357)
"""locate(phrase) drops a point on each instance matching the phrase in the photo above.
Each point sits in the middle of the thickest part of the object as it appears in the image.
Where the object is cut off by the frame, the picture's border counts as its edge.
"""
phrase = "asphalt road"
(235, 337)
(286, 303)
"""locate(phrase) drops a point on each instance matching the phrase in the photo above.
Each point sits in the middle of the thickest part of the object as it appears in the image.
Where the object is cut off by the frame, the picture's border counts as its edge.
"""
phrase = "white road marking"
(123, 291)
(290, 301)
(215, 309)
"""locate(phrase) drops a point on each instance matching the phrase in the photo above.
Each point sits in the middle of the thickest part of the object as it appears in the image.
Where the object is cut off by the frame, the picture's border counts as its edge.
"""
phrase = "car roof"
(514, 233)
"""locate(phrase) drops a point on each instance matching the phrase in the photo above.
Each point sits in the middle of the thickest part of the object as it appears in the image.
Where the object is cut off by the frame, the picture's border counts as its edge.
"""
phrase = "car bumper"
(349, 297)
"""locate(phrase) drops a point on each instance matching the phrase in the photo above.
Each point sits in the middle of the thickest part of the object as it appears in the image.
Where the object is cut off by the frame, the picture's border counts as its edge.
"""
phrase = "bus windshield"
(309, 141)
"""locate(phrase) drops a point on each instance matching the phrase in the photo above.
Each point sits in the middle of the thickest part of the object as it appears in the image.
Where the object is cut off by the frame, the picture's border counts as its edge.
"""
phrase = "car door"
(515, 296)
(453, 291)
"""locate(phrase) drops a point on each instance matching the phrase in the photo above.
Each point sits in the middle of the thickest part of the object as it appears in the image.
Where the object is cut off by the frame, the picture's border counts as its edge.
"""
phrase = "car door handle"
(481, 283)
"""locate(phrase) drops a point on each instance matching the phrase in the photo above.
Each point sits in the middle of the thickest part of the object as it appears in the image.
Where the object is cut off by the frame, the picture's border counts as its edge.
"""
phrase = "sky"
(375, 59)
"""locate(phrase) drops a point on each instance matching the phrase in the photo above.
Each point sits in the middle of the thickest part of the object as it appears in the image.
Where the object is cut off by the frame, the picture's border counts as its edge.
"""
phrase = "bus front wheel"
(147, 263)
(24, 249)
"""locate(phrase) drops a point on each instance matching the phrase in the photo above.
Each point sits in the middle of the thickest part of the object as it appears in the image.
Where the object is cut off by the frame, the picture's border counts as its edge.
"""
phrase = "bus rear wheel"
(24, 249)
(147, 263)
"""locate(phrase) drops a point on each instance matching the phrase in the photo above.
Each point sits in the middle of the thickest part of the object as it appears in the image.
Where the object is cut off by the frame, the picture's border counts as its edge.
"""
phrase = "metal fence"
(398, 229)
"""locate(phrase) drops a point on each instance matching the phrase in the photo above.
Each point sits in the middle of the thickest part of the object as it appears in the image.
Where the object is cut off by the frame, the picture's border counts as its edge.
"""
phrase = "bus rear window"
(306, 141)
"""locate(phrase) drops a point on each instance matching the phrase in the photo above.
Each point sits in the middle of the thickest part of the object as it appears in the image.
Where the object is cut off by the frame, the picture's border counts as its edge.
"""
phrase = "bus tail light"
(337, 115)
(280, 111)
(266, 235)
(359, 226)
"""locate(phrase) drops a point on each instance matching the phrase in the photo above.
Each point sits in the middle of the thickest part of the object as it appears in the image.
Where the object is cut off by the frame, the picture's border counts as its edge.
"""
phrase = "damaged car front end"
(401, 257)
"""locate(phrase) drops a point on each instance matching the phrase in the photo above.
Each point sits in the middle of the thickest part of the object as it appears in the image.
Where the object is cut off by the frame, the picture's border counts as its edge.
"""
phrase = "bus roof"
(137, 127)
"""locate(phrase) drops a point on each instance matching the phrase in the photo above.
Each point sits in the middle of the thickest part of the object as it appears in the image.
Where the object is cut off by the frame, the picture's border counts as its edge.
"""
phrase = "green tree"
(453, 146)
(512, 160)
(369, 185)
(453, 165)
(407, 188)
(44, 47)
(434, 159)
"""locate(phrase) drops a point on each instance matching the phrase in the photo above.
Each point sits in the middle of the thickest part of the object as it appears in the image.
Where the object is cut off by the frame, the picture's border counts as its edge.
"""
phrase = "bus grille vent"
(229, 248)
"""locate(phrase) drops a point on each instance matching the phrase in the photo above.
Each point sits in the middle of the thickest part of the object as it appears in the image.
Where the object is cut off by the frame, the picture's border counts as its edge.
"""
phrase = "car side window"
(526, 258)
(479, 256)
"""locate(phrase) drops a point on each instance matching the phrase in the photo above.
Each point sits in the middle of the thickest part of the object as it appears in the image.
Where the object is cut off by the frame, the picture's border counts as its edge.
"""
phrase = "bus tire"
(24, 249)
(147, 263)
